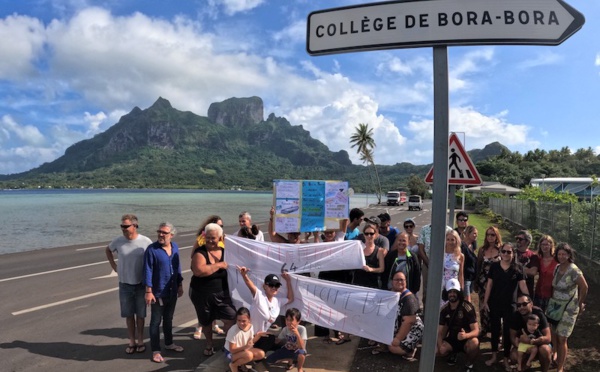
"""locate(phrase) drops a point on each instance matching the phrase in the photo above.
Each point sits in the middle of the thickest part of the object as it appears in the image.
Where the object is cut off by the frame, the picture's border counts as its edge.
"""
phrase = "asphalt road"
(60, 309)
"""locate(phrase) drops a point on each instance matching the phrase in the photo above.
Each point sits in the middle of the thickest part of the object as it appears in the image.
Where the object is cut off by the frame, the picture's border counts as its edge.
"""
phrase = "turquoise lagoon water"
(37, 219)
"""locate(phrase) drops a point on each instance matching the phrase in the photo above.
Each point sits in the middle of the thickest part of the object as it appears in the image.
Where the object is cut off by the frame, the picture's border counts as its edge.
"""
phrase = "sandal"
(378, 350)
(371, 343)
(216, 329)
(140, 348)
(209, 351)
(130, 349)
(198, 333)
(327, 340)
(175, 348)
(342, 341)
(157, 358)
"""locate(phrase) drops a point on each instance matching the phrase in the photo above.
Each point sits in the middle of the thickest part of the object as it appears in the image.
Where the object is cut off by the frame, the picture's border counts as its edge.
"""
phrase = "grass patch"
(481, 222)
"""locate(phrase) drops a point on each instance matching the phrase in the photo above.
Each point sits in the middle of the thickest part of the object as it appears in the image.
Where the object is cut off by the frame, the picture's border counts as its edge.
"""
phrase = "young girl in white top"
(239, 343)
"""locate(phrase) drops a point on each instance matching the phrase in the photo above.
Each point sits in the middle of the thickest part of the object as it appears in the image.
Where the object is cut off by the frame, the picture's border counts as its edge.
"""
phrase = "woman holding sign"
(368, 276)
(265, 305)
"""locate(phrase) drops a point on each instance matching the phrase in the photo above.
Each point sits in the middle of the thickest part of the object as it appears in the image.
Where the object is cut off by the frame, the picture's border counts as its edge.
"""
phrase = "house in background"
(495, 187)
(580, 186)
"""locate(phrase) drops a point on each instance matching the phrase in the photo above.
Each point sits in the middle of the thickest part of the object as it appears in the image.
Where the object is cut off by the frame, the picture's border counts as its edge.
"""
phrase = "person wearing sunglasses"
(528, 258)
(380, 240)
(409, 228)
(368, 276)
(504, 278)
(163, 280)
(265, 306)
(462, 221)
(130, 248)
(518, 324)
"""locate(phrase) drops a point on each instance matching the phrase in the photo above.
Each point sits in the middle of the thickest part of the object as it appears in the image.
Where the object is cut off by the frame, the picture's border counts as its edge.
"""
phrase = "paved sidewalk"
(322, 357)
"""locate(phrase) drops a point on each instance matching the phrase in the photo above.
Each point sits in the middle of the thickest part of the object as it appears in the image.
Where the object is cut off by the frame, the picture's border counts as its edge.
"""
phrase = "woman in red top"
(543, 288)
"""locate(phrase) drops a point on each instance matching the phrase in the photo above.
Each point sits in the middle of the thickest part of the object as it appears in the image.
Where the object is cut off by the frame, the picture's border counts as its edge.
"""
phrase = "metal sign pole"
(440, 202)
(451, 205)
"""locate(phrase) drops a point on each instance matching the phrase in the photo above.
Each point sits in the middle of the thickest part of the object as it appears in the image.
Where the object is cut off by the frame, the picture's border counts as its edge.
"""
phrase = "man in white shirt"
(130, 250)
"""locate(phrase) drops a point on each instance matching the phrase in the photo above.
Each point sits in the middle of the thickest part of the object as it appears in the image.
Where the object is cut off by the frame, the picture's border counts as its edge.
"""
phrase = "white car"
(415, 202)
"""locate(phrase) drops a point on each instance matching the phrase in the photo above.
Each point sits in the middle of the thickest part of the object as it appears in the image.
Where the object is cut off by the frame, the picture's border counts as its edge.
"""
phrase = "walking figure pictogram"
(453, 158)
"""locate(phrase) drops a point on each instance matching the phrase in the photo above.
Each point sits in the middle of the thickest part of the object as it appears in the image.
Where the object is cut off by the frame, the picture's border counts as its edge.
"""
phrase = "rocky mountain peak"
(236, 112)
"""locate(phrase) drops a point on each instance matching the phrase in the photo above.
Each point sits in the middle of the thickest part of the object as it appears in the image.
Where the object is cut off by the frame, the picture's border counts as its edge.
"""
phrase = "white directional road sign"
(403, 24)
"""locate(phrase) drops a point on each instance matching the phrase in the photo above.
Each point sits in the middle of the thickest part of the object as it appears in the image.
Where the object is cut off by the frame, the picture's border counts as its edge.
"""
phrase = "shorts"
(468, 285)
(283, 353)
(131, 298)
(212, 306)
(523, 347)
(456, 344)
(267, 343)
(414, 336)
(542, 303)
(228, 354)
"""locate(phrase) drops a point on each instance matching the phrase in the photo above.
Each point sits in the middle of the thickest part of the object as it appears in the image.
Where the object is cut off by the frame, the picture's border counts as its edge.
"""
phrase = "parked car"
(415, 202)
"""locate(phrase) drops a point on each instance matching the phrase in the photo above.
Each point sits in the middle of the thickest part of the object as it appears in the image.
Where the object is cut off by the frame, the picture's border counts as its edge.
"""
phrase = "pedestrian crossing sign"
(461, 170)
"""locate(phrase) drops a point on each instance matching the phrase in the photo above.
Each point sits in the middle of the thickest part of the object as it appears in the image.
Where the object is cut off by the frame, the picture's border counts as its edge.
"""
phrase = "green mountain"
(162, 147)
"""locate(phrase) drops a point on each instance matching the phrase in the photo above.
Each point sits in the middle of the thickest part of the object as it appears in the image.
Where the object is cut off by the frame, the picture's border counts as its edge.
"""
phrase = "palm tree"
(363, 140)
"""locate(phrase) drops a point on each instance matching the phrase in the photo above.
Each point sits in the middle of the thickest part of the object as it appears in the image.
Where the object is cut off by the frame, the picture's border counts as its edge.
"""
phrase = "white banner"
(273, 258)
(361, 311)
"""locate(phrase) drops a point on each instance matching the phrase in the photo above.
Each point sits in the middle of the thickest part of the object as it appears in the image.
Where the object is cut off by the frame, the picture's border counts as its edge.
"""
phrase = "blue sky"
(71, 68)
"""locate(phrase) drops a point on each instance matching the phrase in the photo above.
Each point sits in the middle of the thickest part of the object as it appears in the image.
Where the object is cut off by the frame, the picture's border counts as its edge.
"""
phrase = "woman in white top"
(265, 305)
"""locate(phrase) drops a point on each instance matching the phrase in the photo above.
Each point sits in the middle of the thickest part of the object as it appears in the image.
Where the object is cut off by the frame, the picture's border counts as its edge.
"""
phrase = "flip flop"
(209, 351)
(342, 341)
(140, 348)
(175, 348)
(327, 340)
(157, 358)
(130, 349)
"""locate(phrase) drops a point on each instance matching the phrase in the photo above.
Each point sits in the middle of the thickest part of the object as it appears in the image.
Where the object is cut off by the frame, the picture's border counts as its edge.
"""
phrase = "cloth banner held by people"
(370, 313)
(272, 258)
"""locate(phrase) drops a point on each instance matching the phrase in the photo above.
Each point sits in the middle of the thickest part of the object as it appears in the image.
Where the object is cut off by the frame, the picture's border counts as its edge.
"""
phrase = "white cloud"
(468, 64)
(94, 121)
(22, 158)
(295, 33)
(334, 122)
(479, 130)
(27, 134)
(23, 38)
(544, 58)
(234, 6)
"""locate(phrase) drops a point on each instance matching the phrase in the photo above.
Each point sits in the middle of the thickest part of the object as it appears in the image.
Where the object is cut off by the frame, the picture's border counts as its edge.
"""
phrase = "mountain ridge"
(232, 146)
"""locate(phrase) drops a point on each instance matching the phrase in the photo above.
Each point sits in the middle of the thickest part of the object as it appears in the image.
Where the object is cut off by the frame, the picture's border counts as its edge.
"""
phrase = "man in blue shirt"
(163, 280)
(356, 217)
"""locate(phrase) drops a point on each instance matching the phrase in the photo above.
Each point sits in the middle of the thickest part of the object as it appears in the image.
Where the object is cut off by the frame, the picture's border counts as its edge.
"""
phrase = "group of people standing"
(150, 275)
(503, 274)
(525, 315)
